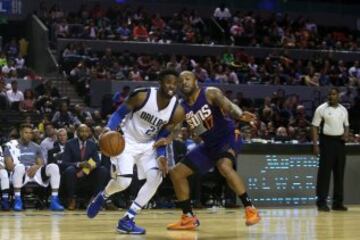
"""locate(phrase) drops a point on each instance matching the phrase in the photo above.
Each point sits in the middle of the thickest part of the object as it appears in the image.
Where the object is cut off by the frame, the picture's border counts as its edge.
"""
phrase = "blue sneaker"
(55, 204)
(95, 206)
(127, 225)
(18, 205)
(5, 204)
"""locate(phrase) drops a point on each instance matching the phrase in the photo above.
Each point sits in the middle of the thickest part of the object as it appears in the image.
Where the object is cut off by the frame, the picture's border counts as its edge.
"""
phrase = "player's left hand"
(163, 165)
(248, 117)
(32, 170)
(161, 142)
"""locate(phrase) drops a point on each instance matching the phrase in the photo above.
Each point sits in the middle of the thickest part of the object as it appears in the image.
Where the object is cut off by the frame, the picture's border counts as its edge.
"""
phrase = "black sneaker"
(323, 208)
(339, 208)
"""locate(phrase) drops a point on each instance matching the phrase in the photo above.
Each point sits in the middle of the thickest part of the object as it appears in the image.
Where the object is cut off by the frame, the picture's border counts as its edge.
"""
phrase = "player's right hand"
(248, 117)
(163, 165)
(161, 142)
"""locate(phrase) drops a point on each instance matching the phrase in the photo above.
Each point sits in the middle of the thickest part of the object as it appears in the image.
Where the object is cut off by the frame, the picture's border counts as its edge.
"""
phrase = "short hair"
(335, 89)
(61, 130)
(25, 125)
(166, 72)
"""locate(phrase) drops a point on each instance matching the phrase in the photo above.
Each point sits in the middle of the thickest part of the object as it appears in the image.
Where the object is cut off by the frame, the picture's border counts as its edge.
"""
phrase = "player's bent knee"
(53, 168)
(225, 169)
(19, 168)
(123, 182)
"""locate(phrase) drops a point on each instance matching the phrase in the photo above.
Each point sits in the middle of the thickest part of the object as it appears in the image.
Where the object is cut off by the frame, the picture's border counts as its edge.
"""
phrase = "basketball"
(112, 143)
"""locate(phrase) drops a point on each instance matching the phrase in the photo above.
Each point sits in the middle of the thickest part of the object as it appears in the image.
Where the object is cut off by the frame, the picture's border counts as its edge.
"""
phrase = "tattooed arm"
(216, 97)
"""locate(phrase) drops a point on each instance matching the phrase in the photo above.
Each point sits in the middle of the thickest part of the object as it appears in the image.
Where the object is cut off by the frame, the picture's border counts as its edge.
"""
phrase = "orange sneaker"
(251, 215)
(186, 223)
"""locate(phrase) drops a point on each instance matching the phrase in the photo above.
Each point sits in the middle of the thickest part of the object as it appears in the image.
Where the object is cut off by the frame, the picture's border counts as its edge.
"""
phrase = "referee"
(332, 119)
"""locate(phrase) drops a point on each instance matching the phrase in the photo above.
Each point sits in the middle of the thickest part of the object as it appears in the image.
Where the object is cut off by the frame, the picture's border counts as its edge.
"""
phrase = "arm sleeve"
(117, 117)
(317, 118)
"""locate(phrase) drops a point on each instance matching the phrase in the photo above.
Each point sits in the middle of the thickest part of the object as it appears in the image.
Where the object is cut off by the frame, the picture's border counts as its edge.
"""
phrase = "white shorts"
(141, 154)
(36, 178)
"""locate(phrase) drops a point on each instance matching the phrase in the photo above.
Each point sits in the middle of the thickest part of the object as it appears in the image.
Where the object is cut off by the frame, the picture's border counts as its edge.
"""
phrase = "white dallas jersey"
(144, 123)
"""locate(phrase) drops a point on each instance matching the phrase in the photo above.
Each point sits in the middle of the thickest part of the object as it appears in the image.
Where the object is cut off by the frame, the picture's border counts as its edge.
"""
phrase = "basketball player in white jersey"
(149, 114)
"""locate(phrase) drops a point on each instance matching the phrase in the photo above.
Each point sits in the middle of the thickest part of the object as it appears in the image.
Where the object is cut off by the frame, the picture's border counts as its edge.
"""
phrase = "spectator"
(55, 154)
(27, 105)
(48, 142)
(63, 117)
(5, 183)
(14, 95)
(82, 166)
(140, 33)
(81, 114)
(23, 158)
(3, 96)
(124, 33)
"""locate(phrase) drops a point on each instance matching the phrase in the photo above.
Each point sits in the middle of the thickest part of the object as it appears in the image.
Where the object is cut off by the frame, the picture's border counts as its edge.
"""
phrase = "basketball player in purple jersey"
(206, 115)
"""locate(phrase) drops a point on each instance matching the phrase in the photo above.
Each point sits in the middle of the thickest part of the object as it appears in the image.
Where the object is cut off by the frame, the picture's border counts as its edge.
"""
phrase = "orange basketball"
(112, 143)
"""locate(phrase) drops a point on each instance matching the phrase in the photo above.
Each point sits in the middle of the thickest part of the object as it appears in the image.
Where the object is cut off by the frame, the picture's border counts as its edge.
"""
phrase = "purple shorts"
(204, 157)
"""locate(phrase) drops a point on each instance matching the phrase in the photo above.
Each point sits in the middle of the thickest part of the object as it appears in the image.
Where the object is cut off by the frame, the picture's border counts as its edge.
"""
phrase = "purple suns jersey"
(208, 121)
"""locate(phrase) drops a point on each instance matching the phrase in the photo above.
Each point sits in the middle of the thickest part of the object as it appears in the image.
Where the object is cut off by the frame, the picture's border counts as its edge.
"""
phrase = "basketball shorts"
(204, 157)
(39, 177)
(143, 155)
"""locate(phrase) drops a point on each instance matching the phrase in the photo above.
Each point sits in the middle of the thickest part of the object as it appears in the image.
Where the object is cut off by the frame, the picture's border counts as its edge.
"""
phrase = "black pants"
(93, 183)
(332, 158)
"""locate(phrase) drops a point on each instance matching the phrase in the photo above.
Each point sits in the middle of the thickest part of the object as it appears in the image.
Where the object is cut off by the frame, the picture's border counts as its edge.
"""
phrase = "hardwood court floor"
(219, 224)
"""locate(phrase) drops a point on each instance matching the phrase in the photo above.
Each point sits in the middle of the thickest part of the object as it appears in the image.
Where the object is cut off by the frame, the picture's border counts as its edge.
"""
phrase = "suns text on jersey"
(203, 115)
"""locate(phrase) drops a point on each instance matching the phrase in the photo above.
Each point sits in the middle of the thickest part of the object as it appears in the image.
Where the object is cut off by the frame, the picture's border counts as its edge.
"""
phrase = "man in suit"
(79, 172)
(55, 154)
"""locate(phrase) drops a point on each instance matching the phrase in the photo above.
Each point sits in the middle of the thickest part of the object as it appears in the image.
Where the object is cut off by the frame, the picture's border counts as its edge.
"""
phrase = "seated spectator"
(124, 33)
(140, 32)
(4, 104)
(5, 183)
(82, 166)
(14, 95)
(55, 154)
(81, 114)
(135, 74)
(281, 134)
(46, 87)
(27, 105)
(23, 157)
(49, 140)
(63, 117)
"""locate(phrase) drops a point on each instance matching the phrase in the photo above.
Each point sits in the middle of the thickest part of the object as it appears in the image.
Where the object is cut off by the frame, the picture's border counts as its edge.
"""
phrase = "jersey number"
(150, 131)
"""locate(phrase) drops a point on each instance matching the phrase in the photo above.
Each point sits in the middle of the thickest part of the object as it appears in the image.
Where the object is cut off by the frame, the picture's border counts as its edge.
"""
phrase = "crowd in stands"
(230, 68)
(12, 61)
(120, 22)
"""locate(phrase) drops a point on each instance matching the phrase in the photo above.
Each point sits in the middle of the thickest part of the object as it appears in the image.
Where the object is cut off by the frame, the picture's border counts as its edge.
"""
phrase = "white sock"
(54, 194)
(5, 195)
(133, 210)
(17, 194)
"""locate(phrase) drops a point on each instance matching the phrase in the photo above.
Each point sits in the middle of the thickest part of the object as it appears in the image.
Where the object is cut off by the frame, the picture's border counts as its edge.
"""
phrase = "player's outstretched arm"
(164, 138)
(216, 97)
(134, 100)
